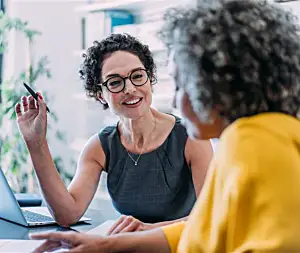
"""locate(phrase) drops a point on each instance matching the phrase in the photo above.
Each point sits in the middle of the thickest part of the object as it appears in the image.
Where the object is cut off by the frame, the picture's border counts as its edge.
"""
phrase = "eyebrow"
(115, 74)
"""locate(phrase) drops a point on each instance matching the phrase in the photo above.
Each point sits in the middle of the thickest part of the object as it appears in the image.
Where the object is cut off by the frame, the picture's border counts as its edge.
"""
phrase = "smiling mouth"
(133, 101)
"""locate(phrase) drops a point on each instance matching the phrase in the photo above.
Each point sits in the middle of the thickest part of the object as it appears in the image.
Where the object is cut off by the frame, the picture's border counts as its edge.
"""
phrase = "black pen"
(33, 94)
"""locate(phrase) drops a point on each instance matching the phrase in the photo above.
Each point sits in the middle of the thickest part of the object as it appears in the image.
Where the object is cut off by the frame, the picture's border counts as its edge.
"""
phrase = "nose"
(129, 87)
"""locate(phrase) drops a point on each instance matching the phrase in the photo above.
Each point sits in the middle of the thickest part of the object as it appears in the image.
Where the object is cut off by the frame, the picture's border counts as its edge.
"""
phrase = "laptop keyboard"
(36, 217)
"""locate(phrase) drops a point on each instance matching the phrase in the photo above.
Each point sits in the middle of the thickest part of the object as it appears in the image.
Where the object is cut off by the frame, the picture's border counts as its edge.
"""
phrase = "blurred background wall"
(67, 28)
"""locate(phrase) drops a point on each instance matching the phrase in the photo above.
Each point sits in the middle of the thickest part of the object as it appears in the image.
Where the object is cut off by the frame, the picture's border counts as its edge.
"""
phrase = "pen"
(33, 94)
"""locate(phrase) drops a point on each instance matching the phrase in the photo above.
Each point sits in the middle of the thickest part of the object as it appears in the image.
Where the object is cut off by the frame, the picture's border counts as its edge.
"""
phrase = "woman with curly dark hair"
(237, 70)
(154, 173)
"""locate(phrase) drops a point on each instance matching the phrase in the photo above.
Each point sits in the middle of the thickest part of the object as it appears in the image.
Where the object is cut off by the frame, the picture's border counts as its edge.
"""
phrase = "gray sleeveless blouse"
(160, 187)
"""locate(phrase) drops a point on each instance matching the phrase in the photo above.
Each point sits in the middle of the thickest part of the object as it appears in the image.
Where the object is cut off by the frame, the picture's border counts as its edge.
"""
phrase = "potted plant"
(14, 156)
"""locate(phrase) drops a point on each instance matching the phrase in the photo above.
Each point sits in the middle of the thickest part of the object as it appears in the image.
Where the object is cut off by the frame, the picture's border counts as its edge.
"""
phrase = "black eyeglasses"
(116, 84)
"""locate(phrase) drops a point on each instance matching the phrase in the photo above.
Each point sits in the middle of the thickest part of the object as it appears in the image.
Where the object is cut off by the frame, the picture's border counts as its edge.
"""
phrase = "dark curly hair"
(241, 57)
(90, 70)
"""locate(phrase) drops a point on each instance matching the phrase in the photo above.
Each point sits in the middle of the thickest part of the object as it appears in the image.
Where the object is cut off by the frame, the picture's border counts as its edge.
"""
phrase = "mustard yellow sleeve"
(173, 233)
(250, 200)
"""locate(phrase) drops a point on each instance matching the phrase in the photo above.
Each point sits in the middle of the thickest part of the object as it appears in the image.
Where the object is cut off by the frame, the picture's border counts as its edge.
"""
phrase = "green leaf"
(5, 147)
(12, 146)
(13, 115)
(59, 135)
(54, 117)
(15, 167)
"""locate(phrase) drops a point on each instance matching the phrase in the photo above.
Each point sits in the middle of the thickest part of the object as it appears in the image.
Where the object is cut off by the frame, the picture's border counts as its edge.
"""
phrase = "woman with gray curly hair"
(237, 69)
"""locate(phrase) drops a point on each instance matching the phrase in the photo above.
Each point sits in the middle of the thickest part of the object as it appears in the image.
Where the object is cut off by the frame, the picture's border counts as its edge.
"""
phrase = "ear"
(151, 87)
(101, 99)
(153, 80)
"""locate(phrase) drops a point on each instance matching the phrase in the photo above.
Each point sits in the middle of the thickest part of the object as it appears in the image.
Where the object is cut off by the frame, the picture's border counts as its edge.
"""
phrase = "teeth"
(131, 102)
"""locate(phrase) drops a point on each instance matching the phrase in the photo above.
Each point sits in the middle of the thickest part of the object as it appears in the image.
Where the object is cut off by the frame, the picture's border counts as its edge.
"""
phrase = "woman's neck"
(137, 132)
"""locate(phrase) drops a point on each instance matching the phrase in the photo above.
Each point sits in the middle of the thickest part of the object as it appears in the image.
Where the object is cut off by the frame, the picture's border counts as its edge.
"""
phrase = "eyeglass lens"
(138, 78)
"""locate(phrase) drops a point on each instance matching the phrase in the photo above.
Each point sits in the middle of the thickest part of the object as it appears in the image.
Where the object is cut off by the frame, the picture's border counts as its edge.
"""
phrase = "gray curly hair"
(241, 57)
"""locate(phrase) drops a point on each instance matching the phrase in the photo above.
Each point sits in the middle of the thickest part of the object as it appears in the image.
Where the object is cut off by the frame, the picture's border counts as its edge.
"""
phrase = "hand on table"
(128, 224)
(74, 241)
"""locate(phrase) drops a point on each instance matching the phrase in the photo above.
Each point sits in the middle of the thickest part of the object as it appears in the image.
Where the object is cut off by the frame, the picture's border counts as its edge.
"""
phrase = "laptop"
(10, 209)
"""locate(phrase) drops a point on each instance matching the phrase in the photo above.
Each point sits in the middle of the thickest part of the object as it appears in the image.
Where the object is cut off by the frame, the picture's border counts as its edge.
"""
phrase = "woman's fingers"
(133, 226)
(18, 110)
(25, 103)
(116, 224)
(126, 222)
(28, 103)
(41, 105)
(32, 105)
(65, 238)
(48, 246)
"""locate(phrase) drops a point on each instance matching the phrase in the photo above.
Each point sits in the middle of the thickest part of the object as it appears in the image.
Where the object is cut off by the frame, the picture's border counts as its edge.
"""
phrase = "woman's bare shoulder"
(93, 150)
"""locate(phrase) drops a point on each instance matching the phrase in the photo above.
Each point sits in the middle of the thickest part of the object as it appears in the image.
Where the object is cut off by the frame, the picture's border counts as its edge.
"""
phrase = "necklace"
(136, 161)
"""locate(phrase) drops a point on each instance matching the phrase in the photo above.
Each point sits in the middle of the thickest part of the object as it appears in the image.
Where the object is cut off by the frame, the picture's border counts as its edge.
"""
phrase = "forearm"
(164, 223)
(137, 242)
(60, 201)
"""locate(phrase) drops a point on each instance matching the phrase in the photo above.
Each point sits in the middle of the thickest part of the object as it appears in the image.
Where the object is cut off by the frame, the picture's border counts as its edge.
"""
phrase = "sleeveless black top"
(160, 187)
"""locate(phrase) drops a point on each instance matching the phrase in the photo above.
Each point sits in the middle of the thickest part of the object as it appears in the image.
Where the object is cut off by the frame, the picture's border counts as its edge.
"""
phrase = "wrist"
(106, 243)
(36, 145)
(148, 226)
(115, 243)
(151, 241)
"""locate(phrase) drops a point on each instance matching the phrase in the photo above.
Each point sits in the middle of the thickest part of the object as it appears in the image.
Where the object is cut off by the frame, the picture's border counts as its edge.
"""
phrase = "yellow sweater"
(250, 201)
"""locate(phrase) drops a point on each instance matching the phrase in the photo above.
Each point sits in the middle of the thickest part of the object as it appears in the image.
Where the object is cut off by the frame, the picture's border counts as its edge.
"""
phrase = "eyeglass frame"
(124, 80)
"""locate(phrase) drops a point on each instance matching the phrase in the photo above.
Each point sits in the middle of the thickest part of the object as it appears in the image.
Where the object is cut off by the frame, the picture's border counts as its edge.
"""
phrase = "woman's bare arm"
(68, 205)
(199, 154)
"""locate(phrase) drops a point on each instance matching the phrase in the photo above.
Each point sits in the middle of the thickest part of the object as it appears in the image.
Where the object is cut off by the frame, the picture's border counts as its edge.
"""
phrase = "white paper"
(101, 229)
(23, 246)
(19, 246)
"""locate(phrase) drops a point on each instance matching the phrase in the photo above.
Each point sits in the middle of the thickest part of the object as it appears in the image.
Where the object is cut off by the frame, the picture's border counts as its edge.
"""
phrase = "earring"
(102, 101)
(153, 80)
